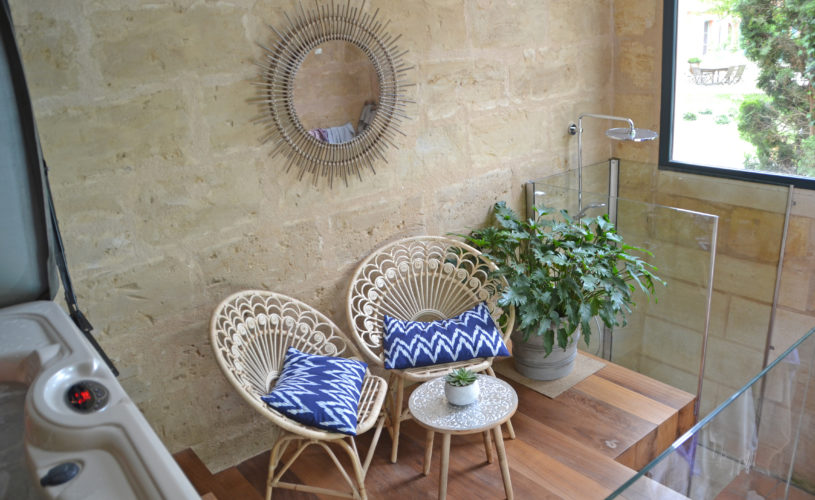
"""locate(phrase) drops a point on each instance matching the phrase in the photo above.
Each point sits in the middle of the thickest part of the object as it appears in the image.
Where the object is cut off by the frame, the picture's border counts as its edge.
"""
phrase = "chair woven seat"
(423, 278)
(250, 333)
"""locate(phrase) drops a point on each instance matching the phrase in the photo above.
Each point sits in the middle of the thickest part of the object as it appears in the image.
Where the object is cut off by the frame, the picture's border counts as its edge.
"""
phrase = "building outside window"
(740, 90)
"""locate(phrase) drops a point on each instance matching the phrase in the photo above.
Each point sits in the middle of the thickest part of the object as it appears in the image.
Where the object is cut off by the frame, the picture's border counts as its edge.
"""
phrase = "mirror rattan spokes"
(304, 32)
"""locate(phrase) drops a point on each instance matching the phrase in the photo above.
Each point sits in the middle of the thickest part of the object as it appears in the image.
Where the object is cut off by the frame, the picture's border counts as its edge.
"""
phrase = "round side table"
(496, 404)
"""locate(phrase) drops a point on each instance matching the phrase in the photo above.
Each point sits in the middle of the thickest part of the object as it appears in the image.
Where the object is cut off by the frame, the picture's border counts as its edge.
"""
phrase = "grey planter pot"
(530, 361)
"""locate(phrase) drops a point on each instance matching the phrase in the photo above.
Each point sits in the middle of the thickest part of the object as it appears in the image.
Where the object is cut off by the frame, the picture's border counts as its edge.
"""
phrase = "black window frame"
(670, 9)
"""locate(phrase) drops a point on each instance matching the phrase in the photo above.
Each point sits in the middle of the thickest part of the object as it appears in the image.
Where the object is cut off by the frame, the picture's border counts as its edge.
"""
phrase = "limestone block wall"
(168, 203)
(637, 70)
(751, 218)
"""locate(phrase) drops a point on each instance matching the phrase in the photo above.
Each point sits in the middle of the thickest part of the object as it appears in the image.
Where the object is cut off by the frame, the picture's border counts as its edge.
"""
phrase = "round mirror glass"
(336, 92)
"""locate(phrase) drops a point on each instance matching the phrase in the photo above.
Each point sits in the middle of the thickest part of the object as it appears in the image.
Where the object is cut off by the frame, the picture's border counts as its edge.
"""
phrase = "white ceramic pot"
(462, 395)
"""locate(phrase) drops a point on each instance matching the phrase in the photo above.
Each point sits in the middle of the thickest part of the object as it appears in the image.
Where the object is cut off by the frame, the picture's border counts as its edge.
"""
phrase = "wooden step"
(225, 485)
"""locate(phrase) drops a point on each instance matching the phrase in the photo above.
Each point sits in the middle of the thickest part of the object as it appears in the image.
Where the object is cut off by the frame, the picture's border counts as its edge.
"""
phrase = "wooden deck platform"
(583, 444)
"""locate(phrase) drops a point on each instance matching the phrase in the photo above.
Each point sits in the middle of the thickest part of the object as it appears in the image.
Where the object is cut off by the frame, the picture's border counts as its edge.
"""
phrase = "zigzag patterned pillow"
(472, 334)
(319, 391)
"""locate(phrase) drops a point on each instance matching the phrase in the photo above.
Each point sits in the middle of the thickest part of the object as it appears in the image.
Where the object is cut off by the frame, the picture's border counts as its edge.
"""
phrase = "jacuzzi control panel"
(87, 396)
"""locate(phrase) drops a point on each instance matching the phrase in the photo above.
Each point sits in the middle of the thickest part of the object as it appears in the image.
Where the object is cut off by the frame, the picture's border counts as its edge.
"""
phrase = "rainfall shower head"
(631, 134)
(588, 207)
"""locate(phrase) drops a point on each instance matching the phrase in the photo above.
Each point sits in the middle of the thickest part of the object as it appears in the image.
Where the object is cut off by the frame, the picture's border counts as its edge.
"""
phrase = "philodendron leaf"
(586, 327)
(529, 318)
(589, 282)
(562, 338)
(514, 297)
(505, 216)
(548, 340)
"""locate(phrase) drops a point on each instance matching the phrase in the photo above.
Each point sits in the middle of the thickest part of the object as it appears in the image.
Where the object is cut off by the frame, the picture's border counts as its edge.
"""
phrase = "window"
(738, 98)
(706, 40)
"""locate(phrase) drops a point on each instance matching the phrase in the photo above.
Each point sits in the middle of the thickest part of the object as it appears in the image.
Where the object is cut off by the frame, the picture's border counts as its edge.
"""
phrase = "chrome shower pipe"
(578, 129)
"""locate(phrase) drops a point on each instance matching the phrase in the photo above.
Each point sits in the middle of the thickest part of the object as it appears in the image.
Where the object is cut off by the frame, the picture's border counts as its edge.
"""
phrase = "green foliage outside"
(689, 116)
(561, 272)
(779, 36)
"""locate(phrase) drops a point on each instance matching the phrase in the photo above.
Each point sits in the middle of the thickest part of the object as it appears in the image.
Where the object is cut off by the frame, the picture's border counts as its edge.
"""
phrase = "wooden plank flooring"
(579, 445)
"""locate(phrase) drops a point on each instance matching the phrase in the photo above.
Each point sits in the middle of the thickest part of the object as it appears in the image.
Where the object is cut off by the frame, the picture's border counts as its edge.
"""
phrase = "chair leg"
(396, 417)
(390, 403)
(372, 449)
(333, 456)
(358, 471)
(356, 483)
(510, 429)
(275, 455)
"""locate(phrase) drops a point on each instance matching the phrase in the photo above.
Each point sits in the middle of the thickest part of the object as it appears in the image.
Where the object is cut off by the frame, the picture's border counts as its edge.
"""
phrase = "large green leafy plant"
(561, 272)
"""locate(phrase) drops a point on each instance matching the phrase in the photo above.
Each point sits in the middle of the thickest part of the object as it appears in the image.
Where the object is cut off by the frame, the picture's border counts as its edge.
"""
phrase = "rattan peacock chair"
(424, 278)
(250, 332)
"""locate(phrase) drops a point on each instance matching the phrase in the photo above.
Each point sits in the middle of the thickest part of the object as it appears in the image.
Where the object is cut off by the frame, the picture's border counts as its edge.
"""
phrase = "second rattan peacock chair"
(424, 278)
(250, 333)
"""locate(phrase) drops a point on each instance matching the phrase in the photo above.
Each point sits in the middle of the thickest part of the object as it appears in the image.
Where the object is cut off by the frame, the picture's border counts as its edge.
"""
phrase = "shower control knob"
(86, 396)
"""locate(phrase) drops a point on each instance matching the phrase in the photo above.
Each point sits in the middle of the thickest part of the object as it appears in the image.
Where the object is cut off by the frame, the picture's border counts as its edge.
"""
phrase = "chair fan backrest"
(422, 278)
(251, 331)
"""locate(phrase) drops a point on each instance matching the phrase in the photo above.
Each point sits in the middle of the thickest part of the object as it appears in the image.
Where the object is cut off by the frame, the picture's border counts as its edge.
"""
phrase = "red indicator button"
(80, 396)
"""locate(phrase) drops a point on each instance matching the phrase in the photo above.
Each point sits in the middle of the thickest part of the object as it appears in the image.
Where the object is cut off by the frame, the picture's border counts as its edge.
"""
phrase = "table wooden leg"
(502, 460)
(488, 446)
(445, 463)
(428, 451)
(510, 429)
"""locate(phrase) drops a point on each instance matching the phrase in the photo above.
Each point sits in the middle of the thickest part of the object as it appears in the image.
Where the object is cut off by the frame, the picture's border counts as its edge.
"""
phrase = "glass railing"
(758, 444)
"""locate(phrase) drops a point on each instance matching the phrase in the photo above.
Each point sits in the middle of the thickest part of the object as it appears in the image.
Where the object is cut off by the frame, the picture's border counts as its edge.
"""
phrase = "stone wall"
(168, 203)
(749, 237)
(637, 72)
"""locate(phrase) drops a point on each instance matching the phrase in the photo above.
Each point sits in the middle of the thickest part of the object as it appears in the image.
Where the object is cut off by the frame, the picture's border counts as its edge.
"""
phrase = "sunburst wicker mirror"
(331, 153)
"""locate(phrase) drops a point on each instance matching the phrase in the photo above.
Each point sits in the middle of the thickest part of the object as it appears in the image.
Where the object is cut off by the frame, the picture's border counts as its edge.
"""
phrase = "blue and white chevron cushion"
(319, 391)
(472, 334)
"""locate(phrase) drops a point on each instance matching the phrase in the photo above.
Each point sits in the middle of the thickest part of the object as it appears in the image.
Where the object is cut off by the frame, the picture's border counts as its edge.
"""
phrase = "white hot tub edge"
(117, 453)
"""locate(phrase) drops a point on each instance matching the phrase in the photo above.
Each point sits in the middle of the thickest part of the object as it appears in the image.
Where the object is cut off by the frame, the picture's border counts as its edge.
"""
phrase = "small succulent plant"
(460, 378)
